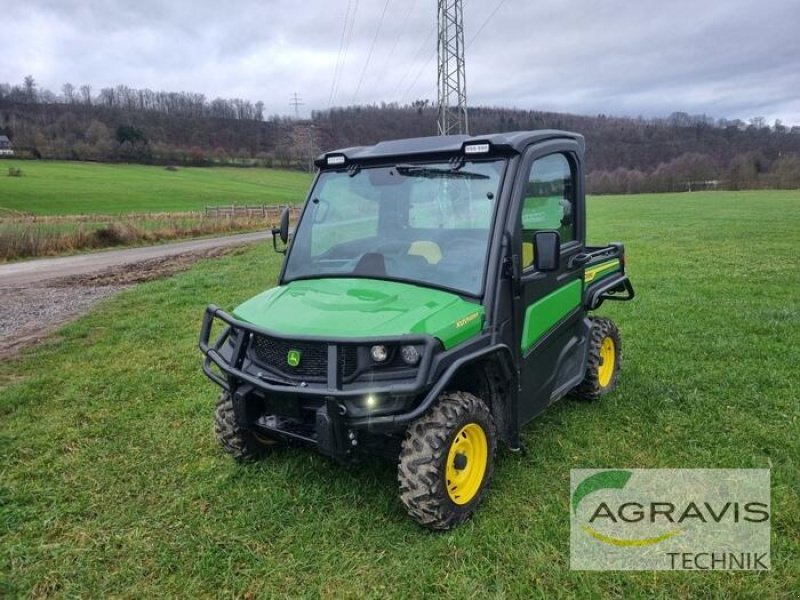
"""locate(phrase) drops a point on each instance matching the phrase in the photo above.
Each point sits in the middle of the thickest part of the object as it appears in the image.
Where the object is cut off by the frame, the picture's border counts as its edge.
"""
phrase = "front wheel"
(447, 460)
(241, 443)
(603, 362)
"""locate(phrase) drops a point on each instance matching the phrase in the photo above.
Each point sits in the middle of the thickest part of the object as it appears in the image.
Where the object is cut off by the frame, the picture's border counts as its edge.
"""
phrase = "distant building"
(702, 186)
(5, 146)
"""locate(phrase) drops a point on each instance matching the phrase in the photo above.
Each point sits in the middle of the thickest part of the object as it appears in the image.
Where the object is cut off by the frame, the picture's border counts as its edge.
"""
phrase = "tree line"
(126, 124)
(680, 152)
(184, 104)
(624, 155)
(697, 172)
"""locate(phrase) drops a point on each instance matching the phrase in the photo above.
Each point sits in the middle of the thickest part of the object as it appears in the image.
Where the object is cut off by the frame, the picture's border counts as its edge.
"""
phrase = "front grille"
(273, 353)
(348, 361)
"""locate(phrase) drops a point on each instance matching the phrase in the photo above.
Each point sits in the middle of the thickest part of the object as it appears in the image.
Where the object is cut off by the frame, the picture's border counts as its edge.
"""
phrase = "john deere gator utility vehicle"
(434, 298)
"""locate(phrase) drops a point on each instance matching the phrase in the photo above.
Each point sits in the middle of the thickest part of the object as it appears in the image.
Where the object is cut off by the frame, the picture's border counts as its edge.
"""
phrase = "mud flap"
(245, 412)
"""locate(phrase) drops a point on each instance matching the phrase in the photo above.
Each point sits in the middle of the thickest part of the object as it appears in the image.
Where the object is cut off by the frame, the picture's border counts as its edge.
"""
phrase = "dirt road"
(39, 271)
(37, 296)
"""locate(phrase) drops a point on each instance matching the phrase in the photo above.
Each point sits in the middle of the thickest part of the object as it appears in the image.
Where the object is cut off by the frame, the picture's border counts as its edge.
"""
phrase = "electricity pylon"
(452, 78)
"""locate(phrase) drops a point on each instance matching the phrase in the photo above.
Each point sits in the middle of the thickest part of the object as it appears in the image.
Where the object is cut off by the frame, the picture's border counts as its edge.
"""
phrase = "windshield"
(427, 223)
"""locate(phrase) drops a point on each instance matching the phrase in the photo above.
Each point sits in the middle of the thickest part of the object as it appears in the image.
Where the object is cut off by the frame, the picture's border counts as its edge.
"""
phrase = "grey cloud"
(735, 58)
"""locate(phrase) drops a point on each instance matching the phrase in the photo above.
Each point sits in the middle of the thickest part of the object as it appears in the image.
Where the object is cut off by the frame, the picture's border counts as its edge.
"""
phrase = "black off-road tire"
(421, 471)
(237, 441)
(591, 388)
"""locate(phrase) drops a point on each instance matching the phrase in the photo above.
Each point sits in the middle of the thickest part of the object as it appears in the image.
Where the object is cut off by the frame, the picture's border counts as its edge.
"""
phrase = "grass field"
(61, 188)
(111, 483)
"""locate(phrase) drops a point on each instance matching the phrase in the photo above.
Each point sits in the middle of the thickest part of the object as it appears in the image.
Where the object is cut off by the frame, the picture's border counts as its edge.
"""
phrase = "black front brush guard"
(435, 371)
(231, 363)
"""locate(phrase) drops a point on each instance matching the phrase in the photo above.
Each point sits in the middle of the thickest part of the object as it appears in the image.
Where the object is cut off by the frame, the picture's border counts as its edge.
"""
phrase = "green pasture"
(69, 188)
(111, 484)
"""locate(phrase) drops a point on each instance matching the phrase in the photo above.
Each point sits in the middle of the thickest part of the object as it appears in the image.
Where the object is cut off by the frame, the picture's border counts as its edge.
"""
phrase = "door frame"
(557, 351)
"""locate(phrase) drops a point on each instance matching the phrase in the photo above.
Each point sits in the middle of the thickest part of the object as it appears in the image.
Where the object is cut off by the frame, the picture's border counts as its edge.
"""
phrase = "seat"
(428, 250)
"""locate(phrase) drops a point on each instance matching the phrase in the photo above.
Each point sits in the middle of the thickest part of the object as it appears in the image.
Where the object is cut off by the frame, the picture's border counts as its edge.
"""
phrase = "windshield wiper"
(434, 173)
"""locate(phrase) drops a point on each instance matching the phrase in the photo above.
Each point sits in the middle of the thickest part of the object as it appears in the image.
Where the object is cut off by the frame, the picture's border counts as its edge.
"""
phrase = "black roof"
(514, 141)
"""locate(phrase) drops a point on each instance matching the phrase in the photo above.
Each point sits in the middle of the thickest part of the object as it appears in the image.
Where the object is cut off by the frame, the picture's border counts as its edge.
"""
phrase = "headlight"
(410, 355)
(379, 353)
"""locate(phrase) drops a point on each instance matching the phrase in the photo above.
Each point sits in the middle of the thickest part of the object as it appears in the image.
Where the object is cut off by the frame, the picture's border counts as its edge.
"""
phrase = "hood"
(345, 308)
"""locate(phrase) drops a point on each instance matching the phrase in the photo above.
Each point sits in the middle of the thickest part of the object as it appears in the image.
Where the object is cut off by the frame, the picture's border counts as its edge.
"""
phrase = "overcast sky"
(725, 58)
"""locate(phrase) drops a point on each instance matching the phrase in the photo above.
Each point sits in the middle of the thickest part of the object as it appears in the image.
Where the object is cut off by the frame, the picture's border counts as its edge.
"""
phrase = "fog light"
(379, 353)
(371, 401)
(410, 355)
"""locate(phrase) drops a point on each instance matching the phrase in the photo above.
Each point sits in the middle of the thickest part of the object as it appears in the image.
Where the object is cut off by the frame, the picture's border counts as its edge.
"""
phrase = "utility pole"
(297, 102)
(452, 77)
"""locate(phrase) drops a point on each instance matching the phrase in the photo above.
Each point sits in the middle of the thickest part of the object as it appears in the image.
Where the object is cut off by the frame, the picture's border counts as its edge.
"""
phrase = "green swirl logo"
(613, 480)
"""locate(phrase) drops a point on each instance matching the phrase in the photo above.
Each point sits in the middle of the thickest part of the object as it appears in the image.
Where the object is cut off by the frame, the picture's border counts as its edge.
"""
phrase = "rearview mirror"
(282, 232)
(546, 250)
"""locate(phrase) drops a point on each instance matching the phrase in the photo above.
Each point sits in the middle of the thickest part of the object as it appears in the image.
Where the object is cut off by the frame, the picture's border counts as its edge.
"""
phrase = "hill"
(624, 154)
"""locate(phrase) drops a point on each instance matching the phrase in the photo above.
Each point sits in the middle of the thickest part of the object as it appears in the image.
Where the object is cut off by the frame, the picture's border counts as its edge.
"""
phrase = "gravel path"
(32, 272)
(29, 314)
(31, 309)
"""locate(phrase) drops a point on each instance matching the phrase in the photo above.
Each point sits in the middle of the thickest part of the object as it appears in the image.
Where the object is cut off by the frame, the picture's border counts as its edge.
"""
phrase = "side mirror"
(282, 232)
(546, 250)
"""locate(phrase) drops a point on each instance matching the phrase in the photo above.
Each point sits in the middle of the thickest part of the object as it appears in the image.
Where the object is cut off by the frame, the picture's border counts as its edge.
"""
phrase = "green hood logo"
(614, 480)
(293, 358)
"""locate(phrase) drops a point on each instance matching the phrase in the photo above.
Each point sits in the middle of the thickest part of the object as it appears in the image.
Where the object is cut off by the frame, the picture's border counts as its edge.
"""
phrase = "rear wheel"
(447, 460)
(604, 360)
(241, 443)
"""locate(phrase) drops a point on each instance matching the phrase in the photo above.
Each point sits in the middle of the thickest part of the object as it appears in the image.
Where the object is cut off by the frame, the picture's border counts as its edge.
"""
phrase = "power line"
(371, 49)
(489, 18)
(339, 55)
(348, 39)
(416, 78)
(425, 44)
(385, 67)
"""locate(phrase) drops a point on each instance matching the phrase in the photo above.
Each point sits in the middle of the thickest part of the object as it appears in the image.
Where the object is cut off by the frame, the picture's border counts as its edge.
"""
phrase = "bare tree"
(30, 89)
(69, 93)
(86, 94)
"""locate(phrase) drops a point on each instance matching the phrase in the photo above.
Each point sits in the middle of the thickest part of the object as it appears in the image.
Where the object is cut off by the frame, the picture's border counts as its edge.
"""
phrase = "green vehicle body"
(343, 307)
(433, 289)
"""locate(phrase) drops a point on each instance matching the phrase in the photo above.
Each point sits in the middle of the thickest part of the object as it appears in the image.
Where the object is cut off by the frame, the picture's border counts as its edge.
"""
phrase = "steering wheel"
(391, 248)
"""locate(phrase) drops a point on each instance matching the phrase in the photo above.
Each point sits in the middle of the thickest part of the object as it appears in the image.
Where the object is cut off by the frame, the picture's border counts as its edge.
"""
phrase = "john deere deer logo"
(293, 358)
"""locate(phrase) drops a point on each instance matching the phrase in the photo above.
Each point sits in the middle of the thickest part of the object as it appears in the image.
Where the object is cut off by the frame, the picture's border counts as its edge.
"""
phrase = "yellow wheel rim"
(608, 359)
(466, 463)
